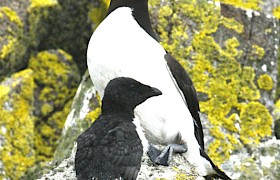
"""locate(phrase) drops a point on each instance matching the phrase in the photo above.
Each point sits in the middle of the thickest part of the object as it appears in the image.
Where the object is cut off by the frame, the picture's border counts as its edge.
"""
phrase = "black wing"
(186, 86)
(86, 143)
(124, 150)
(109, 150)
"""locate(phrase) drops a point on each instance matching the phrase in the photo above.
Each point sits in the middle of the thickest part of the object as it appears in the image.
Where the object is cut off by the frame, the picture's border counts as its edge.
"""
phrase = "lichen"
(57, 78)
(41, 4)
(16, 148)
(276, 12)
(96, 14)
(12, 15)
(265, 82)
(12, 47)
(257, 52)
(252, 4)
(255, 123)
(215, 67)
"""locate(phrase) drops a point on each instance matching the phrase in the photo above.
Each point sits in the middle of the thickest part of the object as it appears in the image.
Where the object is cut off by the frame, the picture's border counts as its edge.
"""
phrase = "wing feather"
(186, 86)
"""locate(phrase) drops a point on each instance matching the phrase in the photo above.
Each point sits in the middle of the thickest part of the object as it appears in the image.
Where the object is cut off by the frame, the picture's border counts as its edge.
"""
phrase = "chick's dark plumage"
(111, 147)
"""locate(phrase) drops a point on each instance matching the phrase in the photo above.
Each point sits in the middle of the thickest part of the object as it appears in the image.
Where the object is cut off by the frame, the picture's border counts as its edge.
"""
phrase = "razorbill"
(113, 146)
(124, 44)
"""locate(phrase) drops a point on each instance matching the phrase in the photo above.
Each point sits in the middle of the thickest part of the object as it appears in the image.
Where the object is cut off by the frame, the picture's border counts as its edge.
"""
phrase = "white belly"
(142, 58)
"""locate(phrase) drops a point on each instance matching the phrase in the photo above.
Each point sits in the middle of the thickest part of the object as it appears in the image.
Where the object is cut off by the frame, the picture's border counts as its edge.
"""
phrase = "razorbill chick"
(112, 147)
(124, 44)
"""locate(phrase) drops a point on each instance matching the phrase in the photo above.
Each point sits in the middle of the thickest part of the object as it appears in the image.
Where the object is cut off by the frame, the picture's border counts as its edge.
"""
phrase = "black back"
(186, 86)
(140, 13)
(111, 147)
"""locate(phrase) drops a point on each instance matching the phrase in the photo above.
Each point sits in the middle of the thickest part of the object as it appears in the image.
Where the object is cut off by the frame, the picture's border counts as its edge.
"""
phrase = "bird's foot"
(164, 157)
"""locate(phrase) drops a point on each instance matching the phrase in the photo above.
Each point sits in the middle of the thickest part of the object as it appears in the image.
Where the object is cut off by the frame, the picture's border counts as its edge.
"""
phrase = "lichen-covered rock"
(177, 170)
(69, 26)
(12, 47)
(17, 124)
(84, 110)
(57, 78)
(231, 55)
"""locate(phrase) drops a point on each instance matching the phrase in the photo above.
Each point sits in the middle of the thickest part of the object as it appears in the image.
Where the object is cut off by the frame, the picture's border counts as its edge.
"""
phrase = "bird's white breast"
(120, 47)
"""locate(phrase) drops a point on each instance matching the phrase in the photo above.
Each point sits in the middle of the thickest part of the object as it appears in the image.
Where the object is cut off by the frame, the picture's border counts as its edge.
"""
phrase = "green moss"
(16, 152)
(265, 82)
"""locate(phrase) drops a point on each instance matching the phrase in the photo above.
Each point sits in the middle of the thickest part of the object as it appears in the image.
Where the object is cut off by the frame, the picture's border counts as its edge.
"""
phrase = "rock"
(57, 78)
(85, 109)
(12, 42)
(178, 169)
(17, 152)
(231, 55)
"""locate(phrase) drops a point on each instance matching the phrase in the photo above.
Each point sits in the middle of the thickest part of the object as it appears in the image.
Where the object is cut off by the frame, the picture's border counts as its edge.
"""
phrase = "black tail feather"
(219, 173)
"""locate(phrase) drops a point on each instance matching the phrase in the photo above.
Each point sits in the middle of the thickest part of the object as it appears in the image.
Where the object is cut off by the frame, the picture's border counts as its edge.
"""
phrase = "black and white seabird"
(113, 146)
(124, 44)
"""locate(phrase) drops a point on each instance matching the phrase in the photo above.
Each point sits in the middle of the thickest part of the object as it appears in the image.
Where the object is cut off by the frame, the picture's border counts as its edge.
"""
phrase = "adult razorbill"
(124, 44)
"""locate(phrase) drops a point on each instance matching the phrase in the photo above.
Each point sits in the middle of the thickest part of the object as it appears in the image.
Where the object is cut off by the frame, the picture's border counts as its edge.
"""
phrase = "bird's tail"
(219, 173)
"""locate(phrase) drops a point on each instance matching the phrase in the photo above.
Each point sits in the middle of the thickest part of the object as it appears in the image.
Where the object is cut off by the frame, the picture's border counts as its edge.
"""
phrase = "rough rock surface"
(230, 53)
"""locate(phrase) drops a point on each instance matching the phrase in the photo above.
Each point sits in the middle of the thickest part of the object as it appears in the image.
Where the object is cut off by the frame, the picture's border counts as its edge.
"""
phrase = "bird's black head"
(124, 94)
(139, 11)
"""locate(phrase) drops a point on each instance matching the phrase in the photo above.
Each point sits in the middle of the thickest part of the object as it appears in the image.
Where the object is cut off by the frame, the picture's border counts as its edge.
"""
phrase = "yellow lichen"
(12, 15)
(16, 111)
(57, 78)
(276, 12)
(214, 67)
(256, 122)
(252, 4)
(96, 14)
(4, 90)
(93, 115)
(41, 3)
(265, 82)
(257, 52)
(231, 23)
(8, 48)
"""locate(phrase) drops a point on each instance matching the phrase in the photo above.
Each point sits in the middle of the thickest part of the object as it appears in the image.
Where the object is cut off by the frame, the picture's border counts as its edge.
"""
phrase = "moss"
(16, 110)
(265, 82)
